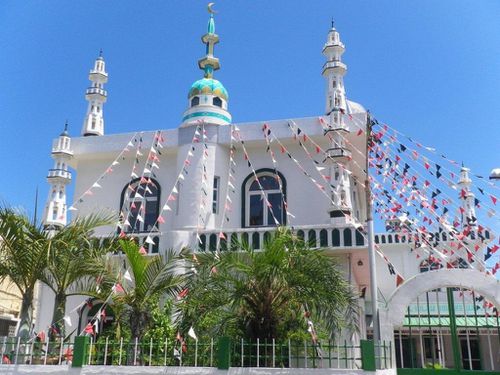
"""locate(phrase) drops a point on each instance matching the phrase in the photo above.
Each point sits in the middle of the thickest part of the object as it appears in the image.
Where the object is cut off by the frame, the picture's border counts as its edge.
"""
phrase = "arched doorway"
(445, 318)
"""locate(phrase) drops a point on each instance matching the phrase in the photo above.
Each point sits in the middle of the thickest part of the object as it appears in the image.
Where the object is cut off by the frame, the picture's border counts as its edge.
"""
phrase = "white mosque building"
(210, 181)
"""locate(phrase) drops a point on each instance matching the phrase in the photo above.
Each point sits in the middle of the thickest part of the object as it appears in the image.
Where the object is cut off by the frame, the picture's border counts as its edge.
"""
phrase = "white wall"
(137, 370)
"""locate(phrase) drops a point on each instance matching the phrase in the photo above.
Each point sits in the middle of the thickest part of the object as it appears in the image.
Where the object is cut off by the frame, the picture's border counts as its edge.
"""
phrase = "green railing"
(14, 350)
(152, 353)
(305, 354)
(221, 353)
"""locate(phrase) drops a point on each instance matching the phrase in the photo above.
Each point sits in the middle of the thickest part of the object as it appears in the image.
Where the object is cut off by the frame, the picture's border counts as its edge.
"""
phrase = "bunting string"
(102, 176)
(462, 243)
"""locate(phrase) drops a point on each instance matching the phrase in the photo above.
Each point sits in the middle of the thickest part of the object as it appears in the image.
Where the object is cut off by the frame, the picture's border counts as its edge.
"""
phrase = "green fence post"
(80, 351)
(455, 344)
(224, 353)
(368, 355)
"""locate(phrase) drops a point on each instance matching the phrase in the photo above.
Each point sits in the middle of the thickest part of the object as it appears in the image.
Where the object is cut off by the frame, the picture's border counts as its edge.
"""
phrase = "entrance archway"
(456, 288)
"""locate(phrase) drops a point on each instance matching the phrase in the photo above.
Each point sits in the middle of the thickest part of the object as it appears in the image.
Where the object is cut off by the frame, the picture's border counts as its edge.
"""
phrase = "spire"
(58, 177)
(333, 71)
(96, 96)
(209, 63)
(338, 155)
(65, 131)
(208, 98)
(468, 198)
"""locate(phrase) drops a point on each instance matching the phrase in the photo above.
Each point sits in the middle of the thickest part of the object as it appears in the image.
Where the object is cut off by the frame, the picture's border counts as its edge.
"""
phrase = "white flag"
(96, 185)
(192, 334)
(67, 319)
(127, 276)
(149, 240)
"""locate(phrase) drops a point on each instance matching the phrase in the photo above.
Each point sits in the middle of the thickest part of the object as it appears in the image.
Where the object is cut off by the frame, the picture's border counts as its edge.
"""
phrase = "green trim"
(368, 355)
(444, 321)
(224, 353)
(206, 114)
(457, 358)
(80, 351)
(428, 371)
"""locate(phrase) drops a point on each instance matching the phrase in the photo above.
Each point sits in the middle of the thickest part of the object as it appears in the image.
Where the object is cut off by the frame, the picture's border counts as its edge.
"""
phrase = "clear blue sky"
(429, 68)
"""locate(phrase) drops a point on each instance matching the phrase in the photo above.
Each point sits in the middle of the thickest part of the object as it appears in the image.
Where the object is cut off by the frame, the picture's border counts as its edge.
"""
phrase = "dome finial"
(210, 9)
(210, 63)
(65, 131)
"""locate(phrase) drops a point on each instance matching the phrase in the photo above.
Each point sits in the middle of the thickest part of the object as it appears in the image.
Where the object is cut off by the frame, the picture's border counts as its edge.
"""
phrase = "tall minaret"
(58, 177)
(96, 96)
(334, 71)
(467, 208)
(338, 155)
(207, 97)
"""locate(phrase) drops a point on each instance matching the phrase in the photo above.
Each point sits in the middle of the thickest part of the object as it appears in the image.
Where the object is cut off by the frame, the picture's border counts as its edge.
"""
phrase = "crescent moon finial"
(209, 7)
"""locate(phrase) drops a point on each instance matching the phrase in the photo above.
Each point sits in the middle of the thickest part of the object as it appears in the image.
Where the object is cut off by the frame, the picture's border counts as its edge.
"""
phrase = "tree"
(23, 259)
(266, 294)
(143, 281)
(75, 259)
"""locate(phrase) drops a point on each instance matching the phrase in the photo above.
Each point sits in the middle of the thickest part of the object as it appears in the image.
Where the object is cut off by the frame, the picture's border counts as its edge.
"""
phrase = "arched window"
(262, 206)
(195, 101)
(140, 204)
(217, 101)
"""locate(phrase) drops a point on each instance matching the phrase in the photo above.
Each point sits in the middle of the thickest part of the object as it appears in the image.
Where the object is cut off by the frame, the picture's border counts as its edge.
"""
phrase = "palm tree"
(266, 294)
(75, 259)
(143, 281)
(22, 259)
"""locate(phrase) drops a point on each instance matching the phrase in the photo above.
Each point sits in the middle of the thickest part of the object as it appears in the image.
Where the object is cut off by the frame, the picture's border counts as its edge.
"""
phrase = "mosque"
(210, 182)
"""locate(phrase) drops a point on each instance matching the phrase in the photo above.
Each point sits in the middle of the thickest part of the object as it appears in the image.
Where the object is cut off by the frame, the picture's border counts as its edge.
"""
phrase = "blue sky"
(429, 68)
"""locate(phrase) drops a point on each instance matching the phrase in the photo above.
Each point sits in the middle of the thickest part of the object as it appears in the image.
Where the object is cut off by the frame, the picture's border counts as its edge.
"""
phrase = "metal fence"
(293, 354)
(152, 353)
(14, 350)
(196, 353)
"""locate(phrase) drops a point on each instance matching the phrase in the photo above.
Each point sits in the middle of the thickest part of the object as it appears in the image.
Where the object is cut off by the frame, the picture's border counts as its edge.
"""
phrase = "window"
(195, 101)
(54, 213)
(262, 206)
(215, 196)
(217, 102)
(140, 205)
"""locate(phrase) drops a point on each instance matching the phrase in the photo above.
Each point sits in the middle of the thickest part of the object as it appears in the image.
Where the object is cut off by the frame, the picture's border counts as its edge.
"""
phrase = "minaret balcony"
(337, 153)
(96, 91)
(338, 67)
(62, 150)
(100, 72)
(59, 173)
(336, 130)
(334, 47)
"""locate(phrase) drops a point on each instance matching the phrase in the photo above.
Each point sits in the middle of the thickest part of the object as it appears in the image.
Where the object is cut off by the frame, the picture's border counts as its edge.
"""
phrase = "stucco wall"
(137, 370)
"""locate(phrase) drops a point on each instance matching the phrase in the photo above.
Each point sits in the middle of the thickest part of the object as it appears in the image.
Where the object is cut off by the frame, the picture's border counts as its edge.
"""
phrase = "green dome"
(208, 86)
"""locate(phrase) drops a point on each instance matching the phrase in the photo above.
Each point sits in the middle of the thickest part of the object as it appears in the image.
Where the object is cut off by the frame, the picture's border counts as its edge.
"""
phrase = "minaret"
(467, 208)
(337, 155)
(334, 71)
(208, 98)
(58, 177)
(96, 96)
